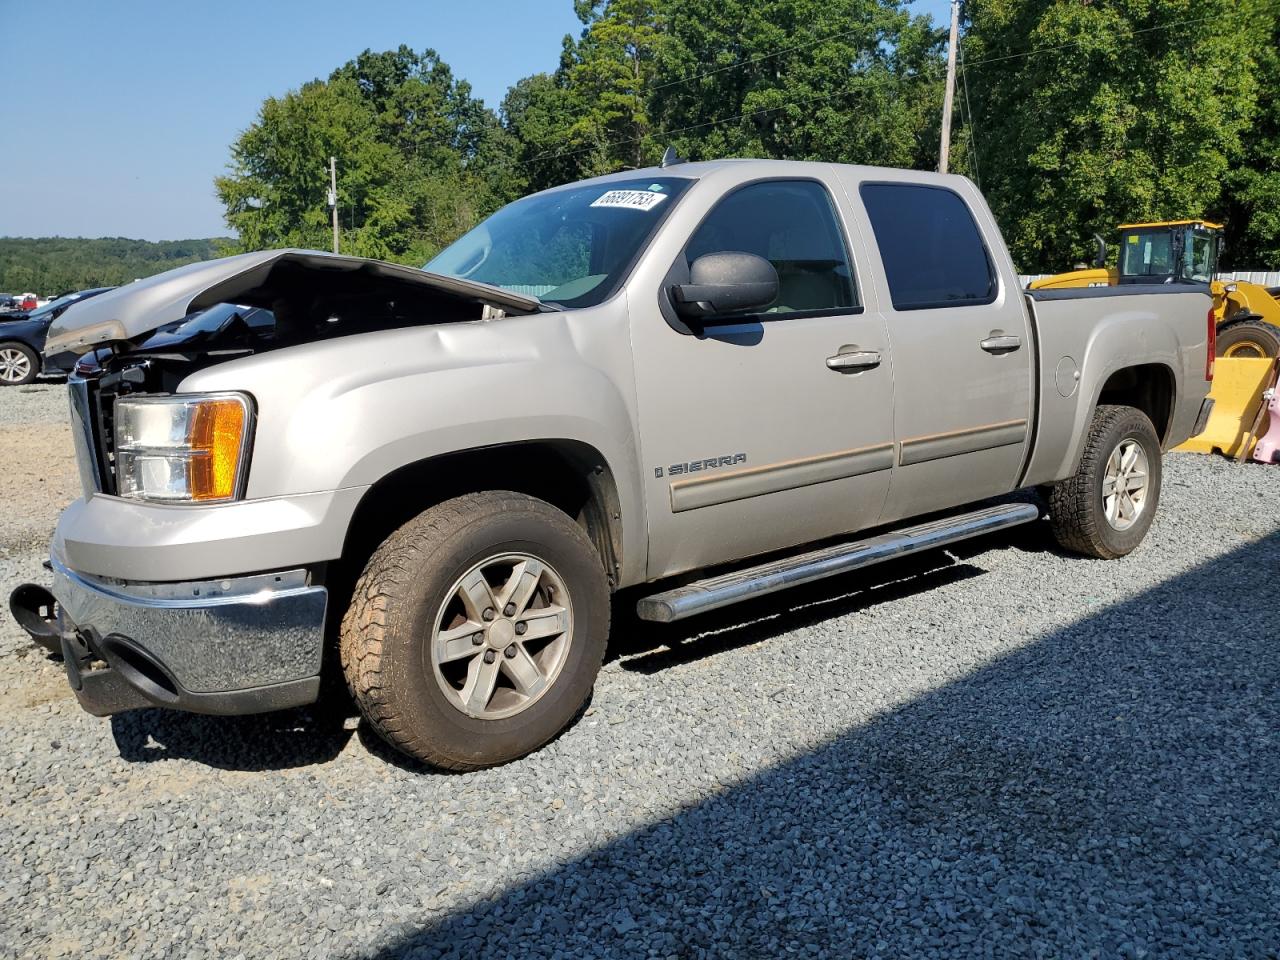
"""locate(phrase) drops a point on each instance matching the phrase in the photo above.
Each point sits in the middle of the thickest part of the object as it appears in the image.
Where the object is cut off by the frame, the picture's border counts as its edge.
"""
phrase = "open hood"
(304, 278)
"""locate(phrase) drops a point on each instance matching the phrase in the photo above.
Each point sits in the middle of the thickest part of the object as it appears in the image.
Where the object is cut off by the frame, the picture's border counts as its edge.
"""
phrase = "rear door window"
(931, 248)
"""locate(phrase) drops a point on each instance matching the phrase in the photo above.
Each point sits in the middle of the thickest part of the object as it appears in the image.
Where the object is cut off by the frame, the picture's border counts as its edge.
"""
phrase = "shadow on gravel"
(652, 647)
(269, 741)
(1111, 790)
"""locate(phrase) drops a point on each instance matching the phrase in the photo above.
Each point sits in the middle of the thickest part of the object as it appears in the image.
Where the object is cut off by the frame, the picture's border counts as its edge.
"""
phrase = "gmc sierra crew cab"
(719, 379)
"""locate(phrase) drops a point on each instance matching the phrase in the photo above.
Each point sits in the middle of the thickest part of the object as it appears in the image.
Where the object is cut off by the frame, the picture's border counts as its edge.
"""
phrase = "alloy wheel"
(502, 636)
(1125, 484)
(15, 366)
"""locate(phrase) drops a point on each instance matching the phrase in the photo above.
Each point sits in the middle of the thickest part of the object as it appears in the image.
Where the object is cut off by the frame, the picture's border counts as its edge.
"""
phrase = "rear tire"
(493, 592)
(1106, 509)
(19, 364)
(1249, 338)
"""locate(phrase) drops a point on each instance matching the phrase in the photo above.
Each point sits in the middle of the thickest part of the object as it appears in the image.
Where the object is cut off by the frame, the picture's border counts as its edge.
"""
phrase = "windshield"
(56, 306)
(570, 247)
(1148, 254)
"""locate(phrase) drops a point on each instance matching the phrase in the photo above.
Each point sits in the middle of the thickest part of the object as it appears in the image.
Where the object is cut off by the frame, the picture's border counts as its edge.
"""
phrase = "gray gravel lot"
(995, 751)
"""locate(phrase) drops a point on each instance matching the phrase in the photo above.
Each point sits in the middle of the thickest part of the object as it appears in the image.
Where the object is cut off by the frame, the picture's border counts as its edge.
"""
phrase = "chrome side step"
(721, 591)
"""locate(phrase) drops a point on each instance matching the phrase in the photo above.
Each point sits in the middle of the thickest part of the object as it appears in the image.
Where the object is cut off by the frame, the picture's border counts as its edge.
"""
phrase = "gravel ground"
(994, 751)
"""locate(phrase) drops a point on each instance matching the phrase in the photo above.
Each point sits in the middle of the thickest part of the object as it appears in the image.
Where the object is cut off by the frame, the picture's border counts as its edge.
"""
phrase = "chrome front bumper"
(227, 646)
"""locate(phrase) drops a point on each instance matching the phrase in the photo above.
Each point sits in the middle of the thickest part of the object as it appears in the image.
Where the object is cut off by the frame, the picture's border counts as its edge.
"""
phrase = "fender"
(344, 413)
(1137, 333)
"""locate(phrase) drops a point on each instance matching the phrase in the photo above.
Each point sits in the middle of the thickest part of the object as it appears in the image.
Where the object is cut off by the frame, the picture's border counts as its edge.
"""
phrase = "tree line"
(1073, 116)
(51, 266)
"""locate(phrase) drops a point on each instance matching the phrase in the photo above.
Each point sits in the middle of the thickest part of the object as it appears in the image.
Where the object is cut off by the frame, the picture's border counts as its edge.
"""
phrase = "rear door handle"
(1001, 344)
(854, 360)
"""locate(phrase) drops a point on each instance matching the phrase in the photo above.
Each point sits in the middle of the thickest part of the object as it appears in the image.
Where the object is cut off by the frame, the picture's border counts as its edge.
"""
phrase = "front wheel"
(1106, 508)
(19, 364)
(477, 629)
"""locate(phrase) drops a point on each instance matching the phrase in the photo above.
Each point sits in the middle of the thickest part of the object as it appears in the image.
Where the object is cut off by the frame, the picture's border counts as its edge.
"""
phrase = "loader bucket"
(1238, 384)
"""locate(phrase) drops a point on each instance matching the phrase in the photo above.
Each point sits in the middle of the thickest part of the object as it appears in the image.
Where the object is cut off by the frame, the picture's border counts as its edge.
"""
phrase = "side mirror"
(1100, 258)
(721, 283)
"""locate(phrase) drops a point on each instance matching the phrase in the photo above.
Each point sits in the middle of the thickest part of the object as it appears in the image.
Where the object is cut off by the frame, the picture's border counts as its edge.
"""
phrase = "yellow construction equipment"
(1186, 251)
(1239, 385)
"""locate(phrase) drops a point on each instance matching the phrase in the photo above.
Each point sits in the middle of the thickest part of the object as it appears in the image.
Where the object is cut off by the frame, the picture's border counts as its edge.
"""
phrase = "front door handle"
(853, 361)
(1001, 344)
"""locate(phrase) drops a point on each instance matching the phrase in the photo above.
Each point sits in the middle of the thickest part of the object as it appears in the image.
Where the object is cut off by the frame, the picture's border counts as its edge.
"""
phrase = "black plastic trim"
(1127, 290)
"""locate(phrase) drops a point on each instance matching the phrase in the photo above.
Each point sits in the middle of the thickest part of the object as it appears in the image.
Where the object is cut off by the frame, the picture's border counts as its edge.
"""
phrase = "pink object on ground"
(1269, 442)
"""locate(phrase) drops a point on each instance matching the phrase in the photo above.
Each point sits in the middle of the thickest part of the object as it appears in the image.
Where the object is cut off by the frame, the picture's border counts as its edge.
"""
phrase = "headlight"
(190, 447)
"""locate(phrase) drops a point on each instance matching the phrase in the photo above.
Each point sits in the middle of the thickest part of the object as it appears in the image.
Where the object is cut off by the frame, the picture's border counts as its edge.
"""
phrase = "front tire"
(19, 364)
(476, 631)
(1106, 509)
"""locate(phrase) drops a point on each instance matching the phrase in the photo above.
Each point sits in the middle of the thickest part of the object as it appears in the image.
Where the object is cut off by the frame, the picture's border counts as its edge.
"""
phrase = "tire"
(1249, 338)
(420, 587)
(1079, 512)
(19, 364)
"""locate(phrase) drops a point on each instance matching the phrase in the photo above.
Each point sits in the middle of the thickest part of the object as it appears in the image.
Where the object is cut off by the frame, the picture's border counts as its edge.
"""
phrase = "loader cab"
(1177, 251)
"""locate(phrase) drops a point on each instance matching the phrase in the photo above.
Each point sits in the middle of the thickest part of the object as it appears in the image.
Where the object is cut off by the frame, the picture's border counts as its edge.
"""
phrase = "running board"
(729, 588)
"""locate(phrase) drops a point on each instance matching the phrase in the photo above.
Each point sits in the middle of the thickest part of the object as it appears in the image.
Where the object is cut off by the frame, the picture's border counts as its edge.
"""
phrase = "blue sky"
(118, 115)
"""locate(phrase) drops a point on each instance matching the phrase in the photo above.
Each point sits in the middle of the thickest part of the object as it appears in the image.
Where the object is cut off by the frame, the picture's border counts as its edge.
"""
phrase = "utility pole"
(333, 196)
(944, 151)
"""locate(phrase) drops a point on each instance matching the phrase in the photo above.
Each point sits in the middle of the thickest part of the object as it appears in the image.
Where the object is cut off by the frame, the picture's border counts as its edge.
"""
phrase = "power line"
(924, 74)
(841, 35)
(1075, 43)
(968, 125)
(711, 123)
(764, 56)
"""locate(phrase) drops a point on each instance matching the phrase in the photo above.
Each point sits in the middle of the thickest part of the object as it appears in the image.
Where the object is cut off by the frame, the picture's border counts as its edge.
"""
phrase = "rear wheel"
(476, 630)
(1249, 338)
(19, 364)
(1106, 509)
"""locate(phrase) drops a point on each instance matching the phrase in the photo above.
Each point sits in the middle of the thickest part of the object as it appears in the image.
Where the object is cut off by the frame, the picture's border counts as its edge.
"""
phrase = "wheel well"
(567, 474)
(1148, 387)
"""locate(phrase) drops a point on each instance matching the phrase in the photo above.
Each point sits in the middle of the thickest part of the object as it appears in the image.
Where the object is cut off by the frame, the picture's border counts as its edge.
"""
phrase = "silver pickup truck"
(433, 480)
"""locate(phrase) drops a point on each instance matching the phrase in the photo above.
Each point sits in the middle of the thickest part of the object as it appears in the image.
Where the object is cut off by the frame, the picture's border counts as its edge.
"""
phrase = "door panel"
(752, 440)
(962, 348)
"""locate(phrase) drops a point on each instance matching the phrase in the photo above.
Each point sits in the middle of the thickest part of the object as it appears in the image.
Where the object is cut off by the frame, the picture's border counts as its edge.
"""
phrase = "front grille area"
(105, 407)
(93, 432)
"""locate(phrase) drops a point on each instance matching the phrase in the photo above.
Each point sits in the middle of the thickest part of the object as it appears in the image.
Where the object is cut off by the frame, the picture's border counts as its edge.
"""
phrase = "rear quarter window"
(931, 248)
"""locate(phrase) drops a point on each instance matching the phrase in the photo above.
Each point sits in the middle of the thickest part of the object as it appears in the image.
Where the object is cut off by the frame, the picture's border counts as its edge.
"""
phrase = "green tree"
(1253, 201)
(55, 265)
(419, 160)
(858, 81)
(1089, 114)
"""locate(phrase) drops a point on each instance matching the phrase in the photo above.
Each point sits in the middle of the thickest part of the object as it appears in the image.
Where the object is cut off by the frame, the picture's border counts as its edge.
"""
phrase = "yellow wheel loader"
(1186, 251)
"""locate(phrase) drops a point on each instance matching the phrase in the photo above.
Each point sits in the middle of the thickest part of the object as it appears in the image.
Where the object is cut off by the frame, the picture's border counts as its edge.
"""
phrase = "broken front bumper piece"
(228, 646)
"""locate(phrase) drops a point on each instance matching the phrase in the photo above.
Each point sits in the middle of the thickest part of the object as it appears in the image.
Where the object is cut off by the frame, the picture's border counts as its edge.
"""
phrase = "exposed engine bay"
(153, 325)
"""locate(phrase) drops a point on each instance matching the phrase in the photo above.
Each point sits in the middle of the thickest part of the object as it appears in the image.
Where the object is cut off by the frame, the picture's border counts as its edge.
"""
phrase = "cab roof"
(1171, 223)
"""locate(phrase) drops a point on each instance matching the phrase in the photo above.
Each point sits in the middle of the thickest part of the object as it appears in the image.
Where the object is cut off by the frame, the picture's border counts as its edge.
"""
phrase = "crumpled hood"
(254, 279)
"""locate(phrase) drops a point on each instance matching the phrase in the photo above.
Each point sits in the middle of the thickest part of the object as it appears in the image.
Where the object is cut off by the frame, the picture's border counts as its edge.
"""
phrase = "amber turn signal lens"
(216, 441)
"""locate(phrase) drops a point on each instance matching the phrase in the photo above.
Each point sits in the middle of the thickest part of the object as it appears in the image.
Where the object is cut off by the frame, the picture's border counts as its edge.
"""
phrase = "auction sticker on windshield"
(631, 199)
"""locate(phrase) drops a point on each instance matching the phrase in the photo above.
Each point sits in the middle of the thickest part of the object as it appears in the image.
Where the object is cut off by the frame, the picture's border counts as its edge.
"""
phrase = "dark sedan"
(22, 341)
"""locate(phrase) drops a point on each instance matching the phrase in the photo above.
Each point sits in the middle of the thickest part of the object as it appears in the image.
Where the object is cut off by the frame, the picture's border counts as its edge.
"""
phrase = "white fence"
(1265, 278)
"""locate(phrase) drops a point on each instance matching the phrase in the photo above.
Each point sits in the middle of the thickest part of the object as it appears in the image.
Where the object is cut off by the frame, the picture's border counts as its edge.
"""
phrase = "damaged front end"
(149, 336)
(246, 636)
